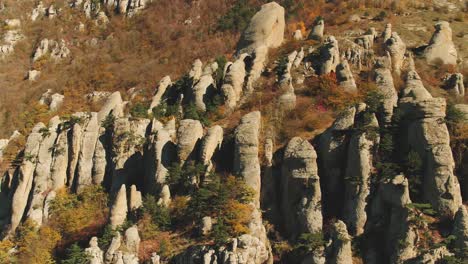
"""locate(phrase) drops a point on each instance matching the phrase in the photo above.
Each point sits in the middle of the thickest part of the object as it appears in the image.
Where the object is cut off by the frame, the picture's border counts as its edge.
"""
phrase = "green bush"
(191, 112)
(237, 18)
(75, 255)
(159, 214)
(108, 122)
(310, 242)
(139, 110)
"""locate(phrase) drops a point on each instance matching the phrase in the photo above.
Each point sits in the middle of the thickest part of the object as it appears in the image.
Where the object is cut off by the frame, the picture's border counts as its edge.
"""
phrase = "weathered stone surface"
(441, 47)
(460, 228)
(384, 81)
(234, 79)
(119, 208)
(317, 30)
(56, 50)
(162, 87)
(387, 32)
(100, 158)
(42, 172)
(60, 161)
(165, 196)
(210, 144)
(113, 247)
(197, 70)
(201, 89)
(136, 200)
(94, 253)
(189, 135)
(344, 76)
(246, 161)
(266, 28)
(297, 35)
(206, 225)
(341, 244)
(454, 84)
(33, 75)
(428, 136)
(132, 240)
(397, 49)
(300, 184)
(85, 159)
(114, 105)
(358, 178)
(329, 56)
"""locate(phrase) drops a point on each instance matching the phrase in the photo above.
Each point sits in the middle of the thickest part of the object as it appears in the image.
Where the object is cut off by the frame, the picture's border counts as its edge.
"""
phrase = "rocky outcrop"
(300, 184)
(460, 229)
(25, 176)
(210, 144)
(85, 159)
(317, 30)
(162, 87)
(340, 249)
(345, 78)
(132, 240)
(427, 135)
(266, 29)
(384, 81)
(329, 56)
(441, 48)
(53, 101)
(189, 135)
(358, 175)
(233, 83)
(201, 89)
(387, 33)
(197, 69)
(114, 105)
(56, 50)
(94, 253)
(119, 208)
(135, 199)
(246, 161)
(38, 11)
(397, 49)
(454, 84)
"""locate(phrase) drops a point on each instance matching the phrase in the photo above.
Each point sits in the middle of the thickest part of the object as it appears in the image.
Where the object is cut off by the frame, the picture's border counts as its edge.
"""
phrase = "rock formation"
(317, 29)
(345, 78)
(189, 135)
(162, 86)
(427, 135)
(329, 56)
(454, 84)
(441, 48)
(384, 82)
(397, 49)
(119, 208)
(340, 249)
(233, 83)
(300, 184)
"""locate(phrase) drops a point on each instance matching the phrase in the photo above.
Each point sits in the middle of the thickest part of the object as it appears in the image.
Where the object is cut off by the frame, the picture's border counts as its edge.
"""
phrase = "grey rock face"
(341, 244)
(162, 87)
(94, 253)
(441, 47)
(246, 161)
(329, 55)
(132, 240)
(210, 144)
(25, 176)
(317, 30)
(266, 29)
(189, 135)
(427, 134)
(397, 48)
(114, 105)
(119, 208)
(345, 77)
(384, 81)
(358, 178)
(387, 32)
(454, 84)
(60, 161)
(85, 159)
(200, 90)
(197, 70)
(460, 228)
(234, 79)
(301, 195)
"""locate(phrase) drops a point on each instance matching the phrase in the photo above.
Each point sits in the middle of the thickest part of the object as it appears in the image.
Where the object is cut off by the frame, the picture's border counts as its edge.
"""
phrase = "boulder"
(397, 49)
(266, 28)
(135, 200)
(33, 75)
(317, 29)
(162, 87)
(383, 78)
(201, 89)
(94, 253)
(196, 71)
(297, 35)
(189, 134)
(345, 77)
(114, 105)
(441, 48)
(300, 184)
(165, 196)
(460, 228)
(85, 158)
(210, 144)
(119, 209)
(206, 225)
(454, 84)
(246, 145)
(340, 249)
(132, 240)
(233, 83)
(329, 56)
